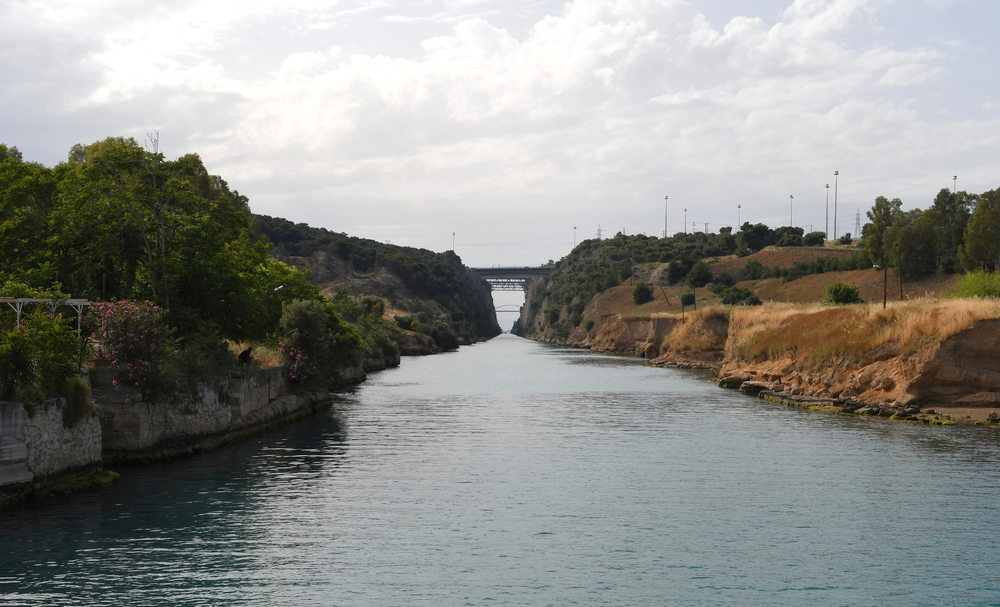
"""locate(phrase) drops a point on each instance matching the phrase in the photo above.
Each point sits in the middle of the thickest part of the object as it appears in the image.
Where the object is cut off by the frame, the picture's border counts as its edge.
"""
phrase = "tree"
(913, 239)
(881, 215)
(954, 213)
(814, 239)
(700, 275)
(642, 293)
(10, 152)
(981, 249)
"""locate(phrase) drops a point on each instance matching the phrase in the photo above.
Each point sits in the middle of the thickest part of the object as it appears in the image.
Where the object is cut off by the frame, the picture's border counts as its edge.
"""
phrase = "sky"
(512, 129)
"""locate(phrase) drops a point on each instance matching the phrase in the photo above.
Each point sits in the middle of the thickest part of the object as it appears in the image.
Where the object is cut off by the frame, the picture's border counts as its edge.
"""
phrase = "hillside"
(429, 300)
(792, 274)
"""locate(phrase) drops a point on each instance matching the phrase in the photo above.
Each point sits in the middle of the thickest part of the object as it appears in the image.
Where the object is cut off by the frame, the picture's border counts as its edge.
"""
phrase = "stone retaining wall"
(37, 448)
(222, 408)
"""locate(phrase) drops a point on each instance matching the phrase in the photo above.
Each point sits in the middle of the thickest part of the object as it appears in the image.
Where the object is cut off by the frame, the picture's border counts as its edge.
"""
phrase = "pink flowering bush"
(132, 338)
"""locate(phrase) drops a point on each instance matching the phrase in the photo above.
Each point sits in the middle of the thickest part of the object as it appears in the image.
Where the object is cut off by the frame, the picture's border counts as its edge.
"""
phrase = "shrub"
(753, 270)
(814, 239)
(978, 283)
(552, 314)
(403, 322)
(790, 240)
(589, 325)
(78, 403)
(642, 293)
(735, 295)
(687, 299)
(201, 355)
(307, 342)
(839, 293)
(132, 338)
(845, 239)
(17, 369)
(753, 300)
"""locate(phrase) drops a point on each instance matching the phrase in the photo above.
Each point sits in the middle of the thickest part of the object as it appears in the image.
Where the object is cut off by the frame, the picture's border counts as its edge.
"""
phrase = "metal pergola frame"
(17, 304)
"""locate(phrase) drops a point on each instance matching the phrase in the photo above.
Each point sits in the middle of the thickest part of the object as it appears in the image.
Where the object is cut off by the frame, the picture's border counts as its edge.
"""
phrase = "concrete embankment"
(38, 451)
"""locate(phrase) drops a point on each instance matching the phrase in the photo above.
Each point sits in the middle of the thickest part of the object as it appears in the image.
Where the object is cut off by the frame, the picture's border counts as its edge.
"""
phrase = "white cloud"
(581, 115)
(910, 74)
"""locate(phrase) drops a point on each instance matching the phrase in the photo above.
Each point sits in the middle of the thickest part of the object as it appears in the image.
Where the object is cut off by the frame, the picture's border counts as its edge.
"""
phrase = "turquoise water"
(511, 473)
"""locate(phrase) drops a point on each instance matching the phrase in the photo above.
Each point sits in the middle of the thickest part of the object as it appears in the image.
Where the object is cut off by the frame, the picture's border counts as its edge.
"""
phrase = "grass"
(265, 356)
(702, 331)
(824, 333)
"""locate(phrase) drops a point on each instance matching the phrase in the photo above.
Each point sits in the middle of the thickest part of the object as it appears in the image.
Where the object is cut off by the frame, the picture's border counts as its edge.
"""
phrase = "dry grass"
(820, 333)
(265, 356)
(704, 330)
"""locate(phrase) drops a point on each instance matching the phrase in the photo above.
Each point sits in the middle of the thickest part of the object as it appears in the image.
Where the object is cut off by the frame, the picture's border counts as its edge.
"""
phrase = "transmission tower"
(857, 224)
(598, 231)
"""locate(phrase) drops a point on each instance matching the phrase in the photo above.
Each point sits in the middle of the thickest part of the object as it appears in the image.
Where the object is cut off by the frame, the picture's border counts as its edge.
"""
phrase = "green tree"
(642, 293)
(913, 239)
(700, 275)
(981, 249)
(882, 214)
(10, 152)
(954, 210)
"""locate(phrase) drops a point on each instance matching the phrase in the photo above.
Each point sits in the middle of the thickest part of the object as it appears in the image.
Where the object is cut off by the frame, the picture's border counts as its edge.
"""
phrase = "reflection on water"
(513, 473)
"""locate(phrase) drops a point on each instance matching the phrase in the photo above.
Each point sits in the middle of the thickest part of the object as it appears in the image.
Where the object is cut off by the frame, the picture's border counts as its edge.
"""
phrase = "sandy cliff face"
(915, 356)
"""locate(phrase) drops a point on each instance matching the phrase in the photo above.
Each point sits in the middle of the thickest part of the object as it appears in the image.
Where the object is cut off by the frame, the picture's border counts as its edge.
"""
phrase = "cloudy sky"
(510, 122)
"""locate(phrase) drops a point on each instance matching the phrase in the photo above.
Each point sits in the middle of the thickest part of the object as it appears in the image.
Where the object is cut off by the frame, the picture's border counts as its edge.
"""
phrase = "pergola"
(17, 304)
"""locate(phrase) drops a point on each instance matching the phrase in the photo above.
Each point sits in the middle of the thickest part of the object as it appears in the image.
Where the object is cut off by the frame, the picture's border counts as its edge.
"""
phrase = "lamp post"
(574, 237)
(452, 242)
(826, 233)
(836, 177)
(665, 203)
(954, 189)
(790, 222)
(685, 221)
(739, 219)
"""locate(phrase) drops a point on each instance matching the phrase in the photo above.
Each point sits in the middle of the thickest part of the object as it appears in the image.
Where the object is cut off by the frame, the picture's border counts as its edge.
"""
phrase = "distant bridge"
(511, 279)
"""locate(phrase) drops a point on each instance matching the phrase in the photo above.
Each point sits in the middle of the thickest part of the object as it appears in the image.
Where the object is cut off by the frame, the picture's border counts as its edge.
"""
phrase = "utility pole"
(790, 200)
(452, 242)
(685, 221)
(574, 237)
(739, 219)
(954, 189)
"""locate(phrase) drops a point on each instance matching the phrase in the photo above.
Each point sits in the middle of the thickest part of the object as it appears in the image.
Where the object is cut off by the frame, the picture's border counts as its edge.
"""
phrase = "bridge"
(511, 279)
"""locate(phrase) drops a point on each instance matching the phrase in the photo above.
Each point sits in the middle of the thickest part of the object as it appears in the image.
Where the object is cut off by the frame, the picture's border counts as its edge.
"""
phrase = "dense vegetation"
(182, 267)
(440, 277)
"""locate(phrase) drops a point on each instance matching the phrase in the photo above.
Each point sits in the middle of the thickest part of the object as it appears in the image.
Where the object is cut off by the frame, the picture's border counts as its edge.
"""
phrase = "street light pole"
(452, 242)
(826, 233)
(574, 237)
(836, 177)
(685, 221)
(791, 223)
(739, 219)
(665, 206)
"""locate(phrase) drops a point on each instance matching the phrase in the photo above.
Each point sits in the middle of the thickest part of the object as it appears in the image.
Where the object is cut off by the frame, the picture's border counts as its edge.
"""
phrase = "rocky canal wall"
(37, 448)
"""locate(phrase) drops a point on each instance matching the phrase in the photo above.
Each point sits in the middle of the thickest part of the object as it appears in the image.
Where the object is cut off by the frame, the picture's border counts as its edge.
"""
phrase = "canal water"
(512, 473)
